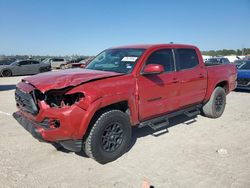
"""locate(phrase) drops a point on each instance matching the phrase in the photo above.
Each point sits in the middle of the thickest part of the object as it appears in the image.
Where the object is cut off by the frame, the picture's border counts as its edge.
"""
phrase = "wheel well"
(224, 85)
(5, 70)
(122, 105)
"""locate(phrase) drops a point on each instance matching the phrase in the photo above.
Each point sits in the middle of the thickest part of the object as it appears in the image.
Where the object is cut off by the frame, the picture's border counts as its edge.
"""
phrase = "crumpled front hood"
(61, 79)
(243, 73)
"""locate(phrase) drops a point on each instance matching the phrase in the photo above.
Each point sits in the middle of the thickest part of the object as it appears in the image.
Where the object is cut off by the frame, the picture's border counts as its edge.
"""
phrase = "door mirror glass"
(153, 69)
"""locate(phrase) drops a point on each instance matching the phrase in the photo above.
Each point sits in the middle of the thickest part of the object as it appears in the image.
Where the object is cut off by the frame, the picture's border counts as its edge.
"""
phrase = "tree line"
(225, 52)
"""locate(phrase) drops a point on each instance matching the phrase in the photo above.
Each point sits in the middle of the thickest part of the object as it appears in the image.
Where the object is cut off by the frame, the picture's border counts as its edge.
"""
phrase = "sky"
(86, 27)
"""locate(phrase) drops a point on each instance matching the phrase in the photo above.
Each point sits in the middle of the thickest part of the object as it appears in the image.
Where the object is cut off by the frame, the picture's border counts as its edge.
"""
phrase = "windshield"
(46, 61)
(14, 63)
(120, 60)
(245, 65)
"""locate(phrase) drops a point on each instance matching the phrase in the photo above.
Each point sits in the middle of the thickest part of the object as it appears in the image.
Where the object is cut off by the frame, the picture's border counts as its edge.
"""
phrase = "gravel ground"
(198, 152)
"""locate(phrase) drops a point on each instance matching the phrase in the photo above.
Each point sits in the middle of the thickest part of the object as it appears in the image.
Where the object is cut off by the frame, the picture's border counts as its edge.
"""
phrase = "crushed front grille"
(25, 102)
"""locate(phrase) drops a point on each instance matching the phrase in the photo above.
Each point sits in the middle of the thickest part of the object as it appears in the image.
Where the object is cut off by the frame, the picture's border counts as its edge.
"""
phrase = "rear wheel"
(6, 73)
(109, 137)
(43, 69)
(215, 107)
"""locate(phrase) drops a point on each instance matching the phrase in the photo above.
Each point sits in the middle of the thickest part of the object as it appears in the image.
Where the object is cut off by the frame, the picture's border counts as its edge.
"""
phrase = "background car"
(81, 64)
(6, 61)
(239, 62)
(24, 67)
(217, 61)
(56, 63)
(74, 62)
(243, 78)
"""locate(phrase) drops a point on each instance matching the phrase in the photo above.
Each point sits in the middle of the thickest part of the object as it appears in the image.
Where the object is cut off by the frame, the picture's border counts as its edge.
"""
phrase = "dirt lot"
(186, 156)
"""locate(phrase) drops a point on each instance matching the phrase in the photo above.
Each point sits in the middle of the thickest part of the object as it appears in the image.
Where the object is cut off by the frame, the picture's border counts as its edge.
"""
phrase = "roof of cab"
(147, 46)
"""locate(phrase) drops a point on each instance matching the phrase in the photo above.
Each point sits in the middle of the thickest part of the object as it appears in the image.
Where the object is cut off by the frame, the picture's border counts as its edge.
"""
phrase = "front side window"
(121, 60)
(164, 58)
(187, 58)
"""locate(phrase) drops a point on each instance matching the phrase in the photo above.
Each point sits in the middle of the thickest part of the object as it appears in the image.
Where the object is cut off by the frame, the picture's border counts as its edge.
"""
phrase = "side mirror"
(153, 69)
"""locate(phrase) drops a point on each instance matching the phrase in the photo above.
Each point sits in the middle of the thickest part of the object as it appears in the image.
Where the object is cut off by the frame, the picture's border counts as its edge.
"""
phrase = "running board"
(163, 121)
(192, 113)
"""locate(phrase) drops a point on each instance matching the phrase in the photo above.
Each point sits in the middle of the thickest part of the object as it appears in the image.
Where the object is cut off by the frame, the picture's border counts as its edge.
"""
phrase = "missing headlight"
(58, 98)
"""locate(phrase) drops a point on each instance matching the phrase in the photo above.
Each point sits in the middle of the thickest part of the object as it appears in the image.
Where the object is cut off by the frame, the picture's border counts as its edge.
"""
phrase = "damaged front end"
(53, 116)
(30, 101)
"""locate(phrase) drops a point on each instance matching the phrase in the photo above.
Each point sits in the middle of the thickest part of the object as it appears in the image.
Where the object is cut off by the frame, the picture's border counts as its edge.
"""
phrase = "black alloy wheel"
(112, 137)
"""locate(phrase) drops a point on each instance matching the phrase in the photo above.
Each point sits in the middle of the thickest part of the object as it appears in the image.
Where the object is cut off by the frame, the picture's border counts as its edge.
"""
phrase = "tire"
(43, 69)
(6, 73)
(215, 107)
(109, 137)
(62, 66)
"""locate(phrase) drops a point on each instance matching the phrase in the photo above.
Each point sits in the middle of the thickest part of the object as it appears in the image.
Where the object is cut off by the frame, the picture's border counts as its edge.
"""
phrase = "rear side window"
(225, 61)
(164, 58)
(34, 62)
(58, 59)
(24, 63)
(187, 58)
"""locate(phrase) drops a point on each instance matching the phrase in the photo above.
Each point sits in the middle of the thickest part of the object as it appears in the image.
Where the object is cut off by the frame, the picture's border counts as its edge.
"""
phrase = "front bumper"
(28, 126)
(243, 83)
(243, 87)
(38, 131)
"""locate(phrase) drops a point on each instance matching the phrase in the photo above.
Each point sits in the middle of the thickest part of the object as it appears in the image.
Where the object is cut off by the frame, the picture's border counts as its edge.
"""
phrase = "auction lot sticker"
(130, 59)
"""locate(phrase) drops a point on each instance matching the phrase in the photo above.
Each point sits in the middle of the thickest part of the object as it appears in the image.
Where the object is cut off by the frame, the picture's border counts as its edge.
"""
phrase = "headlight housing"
(60, 98)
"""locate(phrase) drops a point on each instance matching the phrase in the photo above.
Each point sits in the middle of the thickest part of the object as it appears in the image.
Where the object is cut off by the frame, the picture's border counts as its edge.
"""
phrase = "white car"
(56, 63)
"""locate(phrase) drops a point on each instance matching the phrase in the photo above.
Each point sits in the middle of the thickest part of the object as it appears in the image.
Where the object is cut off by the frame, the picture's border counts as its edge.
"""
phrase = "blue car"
(243, 79)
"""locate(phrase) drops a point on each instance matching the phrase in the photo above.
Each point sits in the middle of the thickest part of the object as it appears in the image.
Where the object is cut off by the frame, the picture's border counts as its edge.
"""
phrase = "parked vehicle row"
(6, 61)
(24, 67)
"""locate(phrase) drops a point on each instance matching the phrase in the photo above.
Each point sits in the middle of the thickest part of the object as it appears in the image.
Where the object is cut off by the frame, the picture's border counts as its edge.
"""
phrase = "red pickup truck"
(93, 109)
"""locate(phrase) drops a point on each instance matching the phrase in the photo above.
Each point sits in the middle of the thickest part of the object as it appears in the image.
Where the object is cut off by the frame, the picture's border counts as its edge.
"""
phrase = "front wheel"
(62, 66)
(215, 107)
(109, 137)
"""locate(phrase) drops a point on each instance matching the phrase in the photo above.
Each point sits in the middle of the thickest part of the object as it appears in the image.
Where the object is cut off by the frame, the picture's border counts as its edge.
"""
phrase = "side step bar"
(163, 121)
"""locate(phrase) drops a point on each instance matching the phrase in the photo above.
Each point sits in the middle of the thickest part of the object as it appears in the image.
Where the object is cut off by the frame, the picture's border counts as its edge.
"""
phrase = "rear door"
(158, 93)
(23, 67)
(192, 76)
(34, 67)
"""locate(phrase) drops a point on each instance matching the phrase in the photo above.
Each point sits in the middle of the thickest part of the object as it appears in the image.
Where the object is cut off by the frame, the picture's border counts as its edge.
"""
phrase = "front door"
(22, 68)
(158, 93)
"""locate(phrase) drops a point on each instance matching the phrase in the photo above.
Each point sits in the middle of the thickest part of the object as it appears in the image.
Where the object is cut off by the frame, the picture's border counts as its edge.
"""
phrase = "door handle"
(201, 75)
(175, 80)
